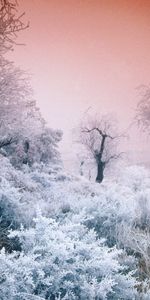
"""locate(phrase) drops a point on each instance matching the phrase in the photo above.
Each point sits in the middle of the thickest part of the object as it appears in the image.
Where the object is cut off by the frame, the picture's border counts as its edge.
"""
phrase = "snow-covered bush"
(63, 262)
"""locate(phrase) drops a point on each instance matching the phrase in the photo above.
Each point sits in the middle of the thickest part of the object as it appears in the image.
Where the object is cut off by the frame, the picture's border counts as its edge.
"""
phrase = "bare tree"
(10, 24)
(99, 137)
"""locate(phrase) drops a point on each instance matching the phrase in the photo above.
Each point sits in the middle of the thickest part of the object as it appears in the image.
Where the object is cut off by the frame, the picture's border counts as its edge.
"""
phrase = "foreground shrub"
(63, 262)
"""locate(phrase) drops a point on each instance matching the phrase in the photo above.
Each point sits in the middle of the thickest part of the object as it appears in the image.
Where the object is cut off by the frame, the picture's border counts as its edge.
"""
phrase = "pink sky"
(86, 53)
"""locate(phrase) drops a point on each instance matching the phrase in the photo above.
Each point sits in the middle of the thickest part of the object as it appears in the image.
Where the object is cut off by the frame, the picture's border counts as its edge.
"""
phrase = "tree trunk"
(100, 172)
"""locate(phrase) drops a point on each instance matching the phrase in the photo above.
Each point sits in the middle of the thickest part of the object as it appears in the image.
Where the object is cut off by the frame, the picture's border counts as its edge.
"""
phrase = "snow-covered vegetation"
(66, 238)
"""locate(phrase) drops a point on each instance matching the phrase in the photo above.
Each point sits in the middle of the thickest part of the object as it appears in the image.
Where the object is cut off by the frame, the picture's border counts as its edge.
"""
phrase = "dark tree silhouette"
(98, 138)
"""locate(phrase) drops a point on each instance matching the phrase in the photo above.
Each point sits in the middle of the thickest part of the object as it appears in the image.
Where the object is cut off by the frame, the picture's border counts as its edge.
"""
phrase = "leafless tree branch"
(113, 157)
(10, 25)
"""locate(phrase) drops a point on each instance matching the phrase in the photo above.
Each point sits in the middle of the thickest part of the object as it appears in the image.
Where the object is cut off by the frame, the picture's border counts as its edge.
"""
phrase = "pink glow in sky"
(86, 53)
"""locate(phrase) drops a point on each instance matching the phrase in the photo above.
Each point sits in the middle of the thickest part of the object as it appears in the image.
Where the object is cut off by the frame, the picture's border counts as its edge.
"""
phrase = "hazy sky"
(86, 53)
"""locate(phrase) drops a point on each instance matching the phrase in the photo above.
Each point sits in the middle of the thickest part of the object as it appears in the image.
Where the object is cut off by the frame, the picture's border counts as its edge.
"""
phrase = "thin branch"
(115, 156)
(86, 130)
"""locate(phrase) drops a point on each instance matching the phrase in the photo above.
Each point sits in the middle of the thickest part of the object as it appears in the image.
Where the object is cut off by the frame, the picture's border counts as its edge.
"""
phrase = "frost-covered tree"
(98, 136)
(46, 144)
(23, 132)
(143, 109)
(18, 111)
(24, 136)
(10, 24)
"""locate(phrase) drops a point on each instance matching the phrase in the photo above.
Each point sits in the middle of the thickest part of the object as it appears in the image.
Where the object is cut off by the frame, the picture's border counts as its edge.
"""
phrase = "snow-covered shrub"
(63, 262)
